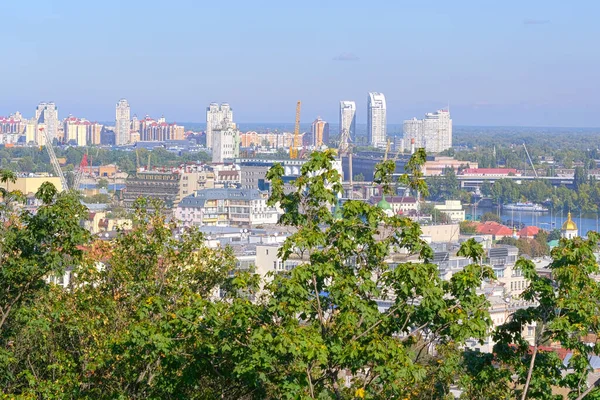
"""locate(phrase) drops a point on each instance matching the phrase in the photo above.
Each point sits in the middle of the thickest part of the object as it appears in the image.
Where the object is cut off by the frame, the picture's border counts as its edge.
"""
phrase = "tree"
(486, 188)
(564, 310)
(468, 228)
(103, 183)
(490, 216)
(333, 292)
(359, 178)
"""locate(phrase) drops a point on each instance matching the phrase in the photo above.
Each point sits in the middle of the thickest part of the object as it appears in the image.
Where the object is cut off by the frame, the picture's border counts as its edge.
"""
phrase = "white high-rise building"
(226, 142)
(433, 133)
(46, 115)
(376, 119)
(348, 118)
(215, 115)
(122, 123)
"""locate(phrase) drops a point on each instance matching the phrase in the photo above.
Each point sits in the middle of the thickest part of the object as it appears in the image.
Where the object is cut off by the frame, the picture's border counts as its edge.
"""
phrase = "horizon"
(508, 64)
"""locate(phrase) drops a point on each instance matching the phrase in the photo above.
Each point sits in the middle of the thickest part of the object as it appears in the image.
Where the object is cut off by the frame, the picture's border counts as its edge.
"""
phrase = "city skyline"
(528, 64)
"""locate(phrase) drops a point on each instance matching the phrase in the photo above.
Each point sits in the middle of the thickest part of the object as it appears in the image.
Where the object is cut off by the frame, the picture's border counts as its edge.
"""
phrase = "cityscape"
(373, 245)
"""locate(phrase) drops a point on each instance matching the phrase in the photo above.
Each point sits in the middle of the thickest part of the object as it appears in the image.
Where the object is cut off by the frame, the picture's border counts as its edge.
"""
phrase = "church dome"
(569, 225)
(383, 204)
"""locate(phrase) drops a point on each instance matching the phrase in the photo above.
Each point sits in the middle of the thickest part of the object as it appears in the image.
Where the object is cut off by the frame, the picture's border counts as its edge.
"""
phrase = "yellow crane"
(296, 143)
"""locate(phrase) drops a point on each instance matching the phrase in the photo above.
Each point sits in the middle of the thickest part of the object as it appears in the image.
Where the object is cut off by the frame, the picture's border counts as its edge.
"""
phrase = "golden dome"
(569, 225)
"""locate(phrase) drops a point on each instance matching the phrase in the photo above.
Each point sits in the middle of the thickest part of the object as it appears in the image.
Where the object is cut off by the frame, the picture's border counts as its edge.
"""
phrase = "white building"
(376, 120)
(348, 118)
(215, 115)
(122, 123)
(226, 142)
(433, 133)
(453, 209)
(226, 207)
(46, 116)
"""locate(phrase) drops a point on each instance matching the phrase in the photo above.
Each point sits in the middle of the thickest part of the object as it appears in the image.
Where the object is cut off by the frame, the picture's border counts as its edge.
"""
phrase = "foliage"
(437, 216)
(490, 216)
(565, 311)
(468, 228)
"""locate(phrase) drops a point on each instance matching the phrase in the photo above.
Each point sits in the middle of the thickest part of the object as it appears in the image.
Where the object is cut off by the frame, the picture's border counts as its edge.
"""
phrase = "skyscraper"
(122, 123)
(348, 118)
(226, 141)
(320, 132)
(46, 115)
(376, 119)
(433, 133)
(215, 115)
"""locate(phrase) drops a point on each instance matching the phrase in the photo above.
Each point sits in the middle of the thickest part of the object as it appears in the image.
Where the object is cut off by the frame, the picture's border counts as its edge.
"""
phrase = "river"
(547, 220)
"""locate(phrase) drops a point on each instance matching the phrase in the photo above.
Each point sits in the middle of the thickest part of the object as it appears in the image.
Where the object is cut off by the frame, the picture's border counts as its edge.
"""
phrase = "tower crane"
(54, 160)
(56, 164)
(296, 142)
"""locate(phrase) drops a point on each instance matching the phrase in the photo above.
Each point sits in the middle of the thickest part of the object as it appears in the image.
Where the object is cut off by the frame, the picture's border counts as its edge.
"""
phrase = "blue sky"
(505, 62)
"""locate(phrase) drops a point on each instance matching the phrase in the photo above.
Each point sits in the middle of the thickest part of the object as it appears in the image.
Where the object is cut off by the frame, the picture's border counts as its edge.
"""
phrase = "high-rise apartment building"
(81, 132)
(226, 142)
(215, 115)
(320, 132)
(348, 118)
(433, 133)
(122, 123)
(376, 119)
(46, 115)
(159, 130)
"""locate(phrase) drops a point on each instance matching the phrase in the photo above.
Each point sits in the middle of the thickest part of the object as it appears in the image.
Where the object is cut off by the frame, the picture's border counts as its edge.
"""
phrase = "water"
(546, 221)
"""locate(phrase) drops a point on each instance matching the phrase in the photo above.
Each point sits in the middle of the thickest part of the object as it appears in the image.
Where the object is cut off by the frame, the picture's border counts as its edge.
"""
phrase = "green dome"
(383, 204)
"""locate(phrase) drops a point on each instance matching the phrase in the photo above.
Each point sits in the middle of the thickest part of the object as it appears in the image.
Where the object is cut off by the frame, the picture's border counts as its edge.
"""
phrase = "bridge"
(367, 189)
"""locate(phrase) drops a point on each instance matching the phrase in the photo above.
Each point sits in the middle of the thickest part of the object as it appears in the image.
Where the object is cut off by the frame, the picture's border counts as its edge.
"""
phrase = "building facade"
(13, 124)
(226, 142)
(274, 140)
(348, 118)
(376, 120)
(46, 116)
(320, 132)
(122, 123)
(215, 115)
(433, 133)
(151, 130)
(226, 207)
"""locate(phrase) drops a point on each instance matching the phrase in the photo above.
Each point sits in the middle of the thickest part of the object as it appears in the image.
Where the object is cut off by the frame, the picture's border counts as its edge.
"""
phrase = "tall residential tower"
(348, 119)
(320, 132)
(433, 133)
(215, 115)
(376, 120)
(46, 116)
(122, 123)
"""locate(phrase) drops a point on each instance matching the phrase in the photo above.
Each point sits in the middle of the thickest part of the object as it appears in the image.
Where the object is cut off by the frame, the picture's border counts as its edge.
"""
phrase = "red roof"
(529, 231)
(493, 228)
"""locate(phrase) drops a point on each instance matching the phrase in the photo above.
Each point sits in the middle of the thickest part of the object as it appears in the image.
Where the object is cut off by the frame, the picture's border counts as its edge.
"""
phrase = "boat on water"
(531, 207)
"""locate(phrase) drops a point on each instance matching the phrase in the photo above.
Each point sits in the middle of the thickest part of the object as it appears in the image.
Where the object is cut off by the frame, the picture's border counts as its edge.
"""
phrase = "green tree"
(564, 310)
(103, 183)
(468, 228)
(490, 216)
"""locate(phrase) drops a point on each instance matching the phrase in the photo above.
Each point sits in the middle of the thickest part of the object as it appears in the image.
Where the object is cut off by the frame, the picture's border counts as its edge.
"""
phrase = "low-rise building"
(226, 207)
(30, 183)
(453, 209)
(437, 166)
(398, 204)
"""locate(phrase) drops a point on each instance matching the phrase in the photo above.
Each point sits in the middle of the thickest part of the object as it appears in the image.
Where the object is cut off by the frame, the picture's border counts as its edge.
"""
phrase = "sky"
(511, 62)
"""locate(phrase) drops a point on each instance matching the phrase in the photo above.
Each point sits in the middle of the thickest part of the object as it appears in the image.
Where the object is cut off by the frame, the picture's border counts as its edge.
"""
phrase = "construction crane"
(56, 164)
(530, 162)
(79, 175)
(296, 143)
(54, 160)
